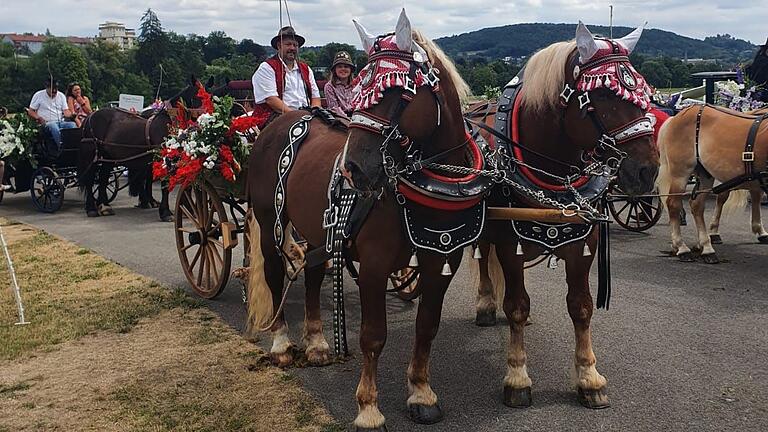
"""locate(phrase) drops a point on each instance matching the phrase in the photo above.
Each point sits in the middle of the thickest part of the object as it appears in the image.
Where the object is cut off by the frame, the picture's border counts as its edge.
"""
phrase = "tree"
(247, 46)
(328, 52)
(65, 62)
(218, 45)
(152, 43)
(106, 69)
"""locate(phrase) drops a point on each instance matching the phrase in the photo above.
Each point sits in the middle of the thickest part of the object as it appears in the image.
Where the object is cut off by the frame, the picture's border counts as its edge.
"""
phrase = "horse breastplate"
(594, 187)
(548, 236)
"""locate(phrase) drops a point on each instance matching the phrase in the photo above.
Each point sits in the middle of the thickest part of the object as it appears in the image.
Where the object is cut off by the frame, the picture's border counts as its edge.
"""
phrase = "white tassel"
(519, 249)
(414, 262)
(587, 252)
(552, 262)
(446, 269)
(477, 254)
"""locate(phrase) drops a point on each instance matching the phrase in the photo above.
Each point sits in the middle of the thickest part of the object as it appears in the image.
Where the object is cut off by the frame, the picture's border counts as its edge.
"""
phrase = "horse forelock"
(545, 76)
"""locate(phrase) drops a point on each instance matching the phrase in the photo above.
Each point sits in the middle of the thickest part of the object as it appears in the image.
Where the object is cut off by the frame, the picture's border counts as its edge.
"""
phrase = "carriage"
(52, 173)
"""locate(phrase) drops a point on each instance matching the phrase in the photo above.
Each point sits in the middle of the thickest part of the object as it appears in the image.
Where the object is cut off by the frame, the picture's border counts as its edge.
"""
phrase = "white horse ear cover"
(630, 41)
(403, 33)
(585, 42)
(366, 38)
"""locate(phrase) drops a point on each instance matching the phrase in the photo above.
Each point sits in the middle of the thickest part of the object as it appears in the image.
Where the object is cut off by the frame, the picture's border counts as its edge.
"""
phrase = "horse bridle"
(390, 128)
(609, 141)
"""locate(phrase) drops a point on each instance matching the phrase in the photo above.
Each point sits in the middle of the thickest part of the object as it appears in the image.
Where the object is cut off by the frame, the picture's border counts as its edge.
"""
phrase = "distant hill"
(520, 40)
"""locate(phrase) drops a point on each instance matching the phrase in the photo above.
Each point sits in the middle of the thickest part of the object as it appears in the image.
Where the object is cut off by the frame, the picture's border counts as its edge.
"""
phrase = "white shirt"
(294, 93)
(49, 108)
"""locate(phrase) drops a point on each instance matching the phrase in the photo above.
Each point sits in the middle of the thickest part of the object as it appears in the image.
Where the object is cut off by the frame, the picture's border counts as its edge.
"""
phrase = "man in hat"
(49, 108)
(282, 83)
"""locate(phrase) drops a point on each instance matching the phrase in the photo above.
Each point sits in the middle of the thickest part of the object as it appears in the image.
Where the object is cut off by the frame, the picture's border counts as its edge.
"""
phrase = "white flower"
(208, 164)
(205, 119)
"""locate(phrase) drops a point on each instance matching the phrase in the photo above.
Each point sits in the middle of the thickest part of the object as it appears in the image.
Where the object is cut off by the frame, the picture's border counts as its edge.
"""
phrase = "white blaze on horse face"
(585, 43)
(403, 33)
(366, 38)
(630, 41)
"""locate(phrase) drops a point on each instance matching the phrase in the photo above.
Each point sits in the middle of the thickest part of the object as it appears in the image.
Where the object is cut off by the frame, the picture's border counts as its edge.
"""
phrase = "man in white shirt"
(49, 108)
(282, 83)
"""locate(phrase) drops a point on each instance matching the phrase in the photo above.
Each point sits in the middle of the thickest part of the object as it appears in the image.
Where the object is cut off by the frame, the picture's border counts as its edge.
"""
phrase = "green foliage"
(522, 40)
(218, 45)
(67, 65)
(153, 43)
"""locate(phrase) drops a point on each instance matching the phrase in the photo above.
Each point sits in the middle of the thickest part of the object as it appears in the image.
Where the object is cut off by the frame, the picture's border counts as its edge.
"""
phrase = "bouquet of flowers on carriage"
(212, 148)
(17, 136)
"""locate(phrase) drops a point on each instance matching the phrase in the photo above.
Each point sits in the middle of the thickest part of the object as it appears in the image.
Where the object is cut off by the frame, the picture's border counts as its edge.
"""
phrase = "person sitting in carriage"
(339, 90)
(49, 108)
(282, 83)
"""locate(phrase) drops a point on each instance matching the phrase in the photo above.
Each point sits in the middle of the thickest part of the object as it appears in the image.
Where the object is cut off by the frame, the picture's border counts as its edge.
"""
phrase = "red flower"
(227, 173)
(181, 115)
(187, 171)
(205, 98)
(158, 171)
(226, 153)
(242, 124)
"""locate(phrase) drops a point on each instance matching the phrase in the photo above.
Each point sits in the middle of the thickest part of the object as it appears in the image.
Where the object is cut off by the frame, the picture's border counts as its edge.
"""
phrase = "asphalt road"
(684, 345)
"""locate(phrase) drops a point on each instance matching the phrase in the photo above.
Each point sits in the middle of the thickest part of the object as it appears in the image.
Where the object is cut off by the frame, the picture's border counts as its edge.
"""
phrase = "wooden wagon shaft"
(529, 214)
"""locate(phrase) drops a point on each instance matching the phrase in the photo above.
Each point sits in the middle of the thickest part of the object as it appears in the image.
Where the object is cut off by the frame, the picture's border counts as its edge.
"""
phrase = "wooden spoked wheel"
(205, 256)
(632, 212)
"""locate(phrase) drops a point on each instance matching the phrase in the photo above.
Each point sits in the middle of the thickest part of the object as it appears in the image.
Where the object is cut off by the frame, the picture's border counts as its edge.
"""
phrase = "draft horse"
(575, 111)
(407, 106)
(114, 136)
(712, 143)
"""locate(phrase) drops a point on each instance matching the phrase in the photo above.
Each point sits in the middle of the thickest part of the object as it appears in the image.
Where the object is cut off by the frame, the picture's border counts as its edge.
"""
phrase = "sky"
(323, 21)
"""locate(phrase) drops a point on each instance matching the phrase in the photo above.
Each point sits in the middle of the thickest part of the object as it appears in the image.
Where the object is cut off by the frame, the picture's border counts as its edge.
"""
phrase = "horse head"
(407, 95)
(609, 106)
(601, 102)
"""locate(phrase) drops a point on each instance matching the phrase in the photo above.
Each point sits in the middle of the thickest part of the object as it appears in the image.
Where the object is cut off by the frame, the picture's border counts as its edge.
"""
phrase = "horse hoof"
(485, 319)
(282, 360)
(763, 239)
(318, 357)
(382, 428)
(425, 414)
(166, 218)
(106, 211)
(92, 213)
(594, 399)
(716, 239)
(143, 205)
(686, 257)
(517, 397)
(711, 258)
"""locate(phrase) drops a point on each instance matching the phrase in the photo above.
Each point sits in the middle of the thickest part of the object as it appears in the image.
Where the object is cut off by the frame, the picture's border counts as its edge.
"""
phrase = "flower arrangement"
(210, 147)
(17, 135)
(728, 94)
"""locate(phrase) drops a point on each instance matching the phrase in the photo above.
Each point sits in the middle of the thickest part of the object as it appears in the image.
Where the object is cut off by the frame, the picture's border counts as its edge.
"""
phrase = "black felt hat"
(286, 33)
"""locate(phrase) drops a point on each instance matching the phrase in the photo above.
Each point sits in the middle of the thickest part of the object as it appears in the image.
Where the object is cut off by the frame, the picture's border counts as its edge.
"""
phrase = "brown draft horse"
(560, 130)
(381, 246)
(112, 135)
(721, 140)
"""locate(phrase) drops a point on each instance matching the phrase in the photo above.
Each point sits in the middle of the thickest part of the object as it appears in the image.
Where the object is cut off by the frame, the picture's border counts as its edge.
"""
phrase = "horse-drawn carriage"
(50, 172)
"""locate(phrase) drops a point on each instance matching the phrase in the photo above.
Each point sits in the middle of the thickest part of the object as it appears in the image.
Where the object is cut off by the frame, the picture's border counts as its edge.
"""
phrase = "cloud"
(323, 21)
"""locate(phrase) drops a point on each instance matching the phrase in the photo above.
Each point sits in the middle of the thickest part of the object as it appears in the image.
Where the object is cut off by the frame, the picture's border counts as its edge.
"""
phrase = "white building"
(117, 34)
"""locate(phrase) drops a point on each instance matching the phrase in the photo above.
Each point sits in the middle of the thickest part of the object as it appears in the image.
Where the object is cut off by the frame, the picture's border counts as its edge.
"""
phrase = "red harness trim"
(519, 155)
(417, 196)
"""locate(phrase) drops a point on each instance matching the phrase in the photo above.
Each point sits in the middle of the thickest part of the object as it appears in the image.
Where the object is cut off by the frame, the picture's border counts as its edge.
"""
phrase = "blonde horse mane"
(446, 66)
(545, 77)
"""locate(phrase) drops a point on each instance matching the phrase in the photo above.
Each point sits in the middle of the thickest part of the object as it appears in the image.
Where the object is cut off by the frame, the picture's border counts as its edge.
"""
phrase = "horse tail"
(664, 179)
(260, 307)
(495, 273)
(736, 201)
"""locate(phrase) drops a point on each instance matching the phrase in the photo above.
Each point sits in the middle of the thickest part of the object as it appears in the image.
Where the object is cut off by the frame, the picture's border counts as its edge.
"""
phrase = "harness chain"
(346, 202)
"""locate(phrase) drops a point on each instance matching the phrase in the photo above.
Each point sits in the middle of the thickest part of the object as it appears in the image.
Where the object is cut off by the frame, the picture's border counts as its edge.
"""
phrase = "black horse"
(758, 71)
(114, 136)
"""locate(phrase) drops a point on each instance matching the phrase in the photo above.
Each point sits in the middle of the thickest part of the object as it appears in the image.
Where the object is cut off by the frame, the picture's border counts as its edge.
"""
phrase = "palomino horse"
(428, 116)
(556, 116)
(114, 136)
(710, 142)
